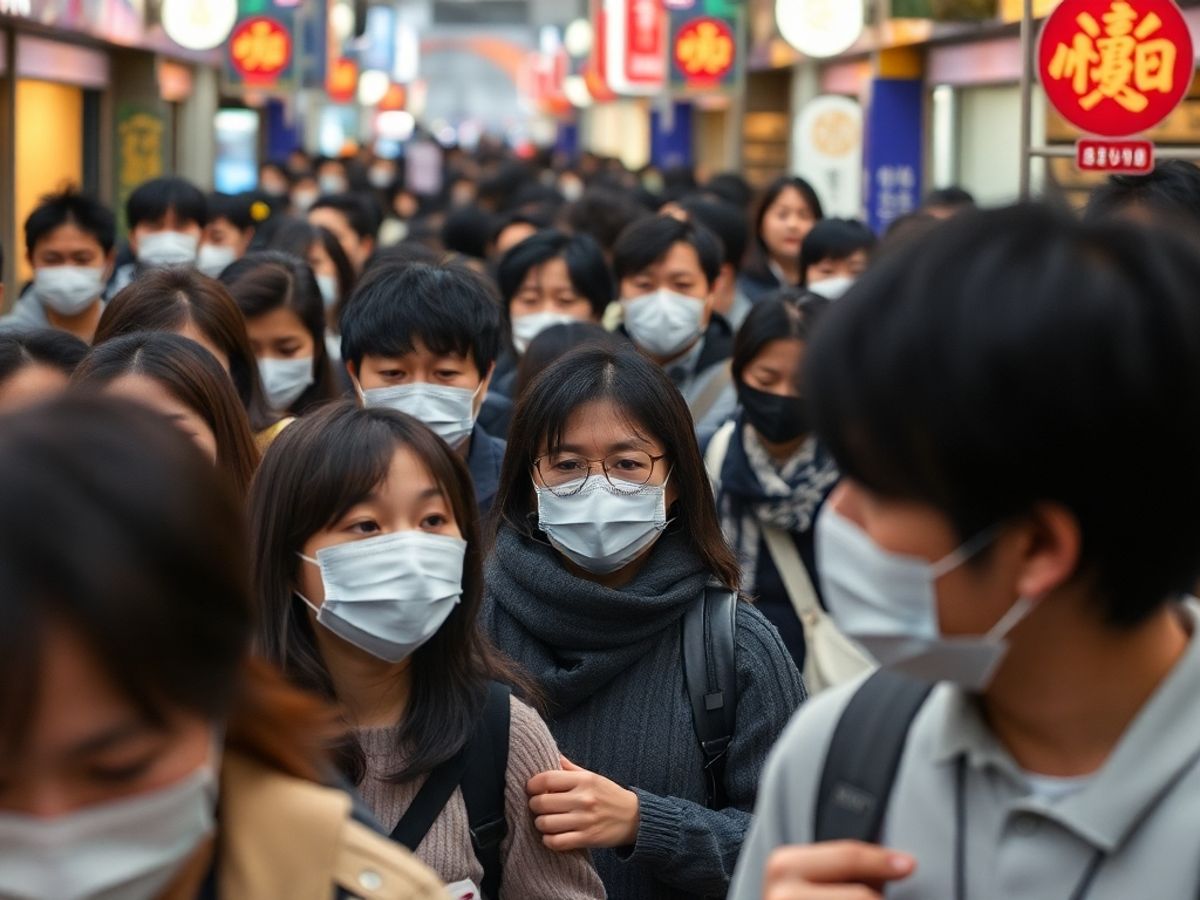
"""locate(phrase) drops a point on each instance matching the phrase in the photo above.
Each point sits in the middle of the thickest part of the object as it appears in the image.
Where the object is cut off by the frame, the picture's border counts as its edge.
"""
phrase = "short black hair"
(1018, 357)
(240, 210)
(589, 273)
(953, 197)
(40, 347)
(520, 217)
(834, 239)
(1171, 192)
(781, 315)
(448, 308)
(604, 213)
(728, 222)
(468, 230)
(69, 207)
(732, 188)
(644, 243)
(362, 213)
(153, 199)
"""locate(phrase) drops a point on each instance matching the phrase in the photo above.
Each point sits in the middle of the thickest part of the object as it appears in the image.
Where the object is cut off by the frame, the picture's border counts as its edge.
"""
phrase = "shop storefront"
(97, 97)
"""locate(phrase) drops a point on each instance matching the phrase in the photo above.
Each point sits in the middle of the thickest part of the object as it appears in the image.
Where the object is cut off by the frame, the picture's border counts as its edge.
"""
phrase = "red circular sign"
(705, 49)
(1116, 67)
(260, 49)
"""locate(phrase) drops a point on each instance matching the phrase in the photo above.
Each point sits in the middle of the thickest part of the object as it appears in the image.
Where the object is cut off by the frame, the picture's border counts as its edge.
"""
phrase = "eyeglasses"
(565, 474)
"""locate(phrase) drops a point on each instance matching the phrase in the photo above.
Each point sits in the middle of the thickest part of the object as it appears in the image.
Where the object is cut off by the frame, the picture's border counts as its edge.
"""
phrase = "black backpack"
(480, 769)
(710, 673)
(864, 757)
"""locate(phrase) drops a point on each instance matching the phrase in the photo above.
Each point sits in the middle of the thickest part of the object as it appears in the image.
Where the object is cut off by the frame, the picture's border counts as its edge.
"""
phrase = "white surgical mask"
(663, 323)
(213, 260)
(832, 288)
(381, 177)
(332, 184)
(330, 293)
(68, 290)
(285, 380)
(388, 595)
(167, 248)
(526, 328)
(601, 529)
(448, 411)
(128, 849)
(303, 200)
(888, 603)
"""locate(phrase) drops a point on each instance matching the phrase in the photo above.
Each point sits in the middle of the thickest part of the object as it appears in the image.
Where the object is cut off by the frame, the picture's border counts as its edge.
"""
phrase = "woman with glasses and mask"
(368, 574)
(769, 474)
(607, 542)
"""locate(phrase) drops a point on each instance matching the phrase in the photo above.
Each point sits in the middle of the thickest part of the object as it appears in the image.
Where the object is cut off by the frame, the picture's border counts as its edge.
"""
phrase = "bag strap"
(864, 757)
(710, 674)
(794, 573)
(483, 787)
(713, 389)
(718, 449)
(480, 768)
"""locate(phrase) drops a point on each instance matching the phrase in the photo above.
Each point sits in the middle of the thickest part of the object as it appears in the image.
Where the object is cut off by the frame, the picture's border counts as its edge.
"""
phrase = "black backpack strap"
(710, 674)
(481, 769)
(483, 786)
(435, 793)
(864, 757)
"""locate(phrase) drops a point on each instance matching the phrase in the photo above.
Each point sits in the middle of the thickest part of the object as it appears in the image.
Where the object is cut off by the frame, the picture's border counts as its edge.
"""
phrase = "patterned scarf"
(754, 490)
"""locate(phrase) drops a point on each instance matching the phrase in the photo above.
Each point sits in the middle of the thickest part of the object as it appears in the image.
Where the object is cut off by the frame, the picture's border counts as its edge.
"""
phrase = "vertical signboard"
(892, 157)
(704, 48)
(635, 46)
(828, 146)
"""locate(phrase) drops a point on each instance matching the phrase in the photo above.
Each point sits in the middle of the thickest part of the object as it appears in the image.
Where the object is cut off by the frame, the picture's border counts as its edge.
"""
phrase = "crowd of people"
(572, 532)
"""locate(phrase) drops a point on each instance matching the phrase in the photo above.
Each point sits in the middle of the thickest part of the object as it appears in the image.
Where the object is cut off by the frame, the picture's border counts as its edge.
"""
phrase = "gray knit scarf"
(575, 636)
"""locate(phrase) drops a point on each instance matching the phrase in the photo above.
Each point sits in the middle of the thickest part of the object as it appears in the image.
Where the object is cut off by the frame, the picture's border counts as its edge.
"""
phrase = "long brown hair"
(167, 299)
(140, 550)
(641, 390)
(193, 377)
(313, 473)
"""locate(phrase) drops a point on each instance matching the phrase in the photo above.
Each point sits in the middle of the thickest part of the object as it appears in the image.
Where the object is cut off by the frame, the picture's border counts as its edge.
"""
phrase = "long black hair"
(313, 473)
(644, 394)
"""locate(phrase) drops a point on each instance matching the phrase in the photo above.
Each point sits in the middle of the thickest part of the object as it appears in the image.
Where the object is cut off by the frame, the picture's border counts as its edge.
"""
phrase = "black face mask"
(778, 419)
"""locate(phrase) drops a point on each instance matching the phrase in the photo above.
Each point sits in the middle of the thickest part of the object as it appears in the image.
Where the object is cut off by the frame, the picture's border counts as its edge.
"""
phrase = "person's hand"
(575, 808)
(835, 870)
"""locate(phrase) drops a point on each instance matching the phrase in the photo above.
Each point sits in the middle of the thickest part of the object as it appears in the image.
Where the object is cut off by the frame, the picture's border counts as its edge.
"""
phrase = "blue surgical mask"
(887, 602)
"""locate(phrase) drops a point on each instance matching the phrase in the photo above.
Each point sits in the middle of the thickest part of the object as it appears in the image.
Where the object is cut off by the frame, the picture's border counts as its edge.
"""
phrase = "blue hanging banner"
(892, 158)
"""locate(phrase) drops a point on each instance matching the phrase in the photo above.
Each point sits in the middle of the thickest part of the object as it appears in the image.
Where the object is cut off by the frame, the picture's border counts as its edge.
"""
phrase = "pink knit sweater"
(531, 872)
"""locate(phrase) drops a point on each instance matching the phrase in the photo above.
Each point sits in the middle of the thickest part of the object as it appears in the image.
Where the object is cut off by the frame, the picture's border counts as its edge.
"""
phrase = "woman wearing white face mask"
(148, 755)
(368, 580)
(69, 241)
(285, 322)
(608, 542)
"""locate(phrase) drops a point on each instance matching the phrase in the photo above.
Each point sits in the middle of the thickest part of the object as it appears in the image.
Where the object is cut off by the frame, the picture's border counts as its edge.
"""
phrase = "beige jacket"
(283, 838)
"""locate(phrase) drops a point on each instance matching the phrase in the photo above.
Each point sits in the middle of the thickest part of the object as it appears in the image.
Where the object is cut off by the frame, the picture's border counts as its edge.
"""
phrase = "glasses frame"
(654, 461)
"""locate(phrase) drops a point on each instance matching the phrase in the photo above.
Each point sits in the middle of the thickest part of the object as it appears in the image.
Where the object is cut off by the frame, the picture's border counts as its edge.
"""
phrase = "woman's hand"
(575, 809)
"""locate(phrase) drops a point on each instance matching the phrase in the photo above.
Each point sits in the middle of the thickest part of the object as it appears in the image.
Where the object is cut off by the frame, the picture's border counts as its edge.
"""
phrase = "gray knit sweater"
(632, 722)
(531, 872)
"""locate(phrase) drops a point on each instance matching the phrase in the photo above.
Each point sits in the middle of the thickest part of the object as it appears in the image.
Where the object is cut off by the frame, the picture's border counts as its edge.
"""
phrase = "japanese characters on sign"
(260, 50)
(705, 51)
(635, 46)
(1116, 67)
(1126, 157)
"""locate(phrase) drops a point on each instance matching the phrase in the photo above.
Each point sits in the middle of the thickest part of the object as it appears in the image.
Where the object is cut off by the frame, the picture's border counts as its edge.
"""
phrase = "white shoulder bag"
(830, 658)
